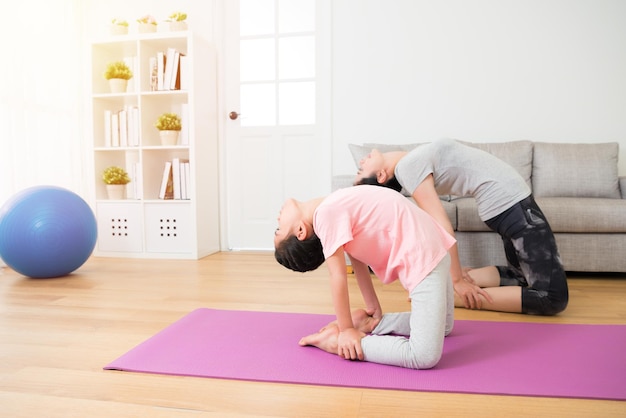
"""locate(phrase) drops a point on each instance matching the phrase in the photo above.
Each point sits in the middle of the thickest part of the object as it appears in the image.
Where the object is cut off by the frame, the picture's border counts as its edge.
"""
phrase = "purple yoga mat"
(506, 358)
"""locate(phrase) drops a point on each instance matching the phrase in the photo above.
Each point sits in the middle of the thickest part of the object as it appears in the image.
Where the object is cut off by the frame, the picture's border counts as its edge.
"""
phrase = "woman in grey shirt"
(534, 282)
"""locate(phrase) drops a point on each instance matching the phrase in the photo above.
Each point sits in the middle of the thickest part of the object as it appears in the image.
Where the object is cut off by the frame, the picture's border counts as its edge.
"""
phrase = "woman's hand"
(471, 294)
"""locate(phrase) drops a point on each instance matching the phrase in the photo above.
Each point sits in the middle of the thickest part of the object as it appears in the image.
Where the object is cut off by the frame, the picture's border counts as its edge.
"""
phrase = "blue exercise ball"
(46, 231)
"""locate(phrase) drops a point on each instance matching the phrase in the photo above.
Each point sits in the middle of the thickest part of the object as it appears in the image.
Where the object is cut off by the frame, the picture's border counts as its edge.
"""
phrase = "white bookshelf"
(143, 225)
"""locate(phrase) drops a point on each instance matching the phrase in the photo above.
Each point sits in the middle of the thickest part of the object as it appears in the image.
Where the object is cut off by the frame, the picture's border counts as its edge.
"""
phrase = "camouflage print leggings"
(533, 257)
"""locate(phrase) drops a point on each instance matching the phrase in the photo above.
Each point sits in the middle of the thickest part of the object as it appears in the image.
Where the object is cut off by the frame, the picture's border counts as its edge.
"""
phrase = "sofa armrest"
(622, 186)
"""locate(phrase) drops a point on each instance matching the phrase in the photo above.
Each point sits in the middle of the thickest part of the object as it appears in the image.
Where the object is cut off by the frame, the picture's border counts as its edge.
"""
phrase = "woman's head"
(300, 255)
(373, 170)
(392, 183)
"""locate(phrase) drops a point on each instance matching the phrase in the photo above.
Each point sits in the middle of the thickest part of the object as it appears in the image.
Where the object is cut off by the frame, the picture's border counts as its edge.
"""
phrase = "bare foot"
(361, 321)
(326, 339)
(364, 322)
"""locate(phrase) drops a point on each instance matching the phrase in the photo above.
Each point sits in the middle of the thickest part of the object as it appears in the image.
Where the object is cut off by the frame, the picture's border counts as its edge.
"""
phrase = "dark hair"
(392, 183)
(299, 255)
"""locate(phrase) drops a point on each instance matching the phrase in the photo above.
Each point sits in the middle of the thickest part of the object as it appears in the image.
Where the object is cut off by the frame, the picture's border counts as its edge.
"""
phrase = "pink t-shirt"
(383, 229)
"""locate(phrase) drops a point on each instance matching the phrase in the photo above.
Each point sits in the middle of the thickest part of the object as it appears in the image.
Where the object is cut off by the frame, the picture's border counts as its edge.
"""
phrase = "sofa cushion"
(518, 154)
(564, 214)
(451, 211)
(467, 215)
(575, 170)
(584, 215)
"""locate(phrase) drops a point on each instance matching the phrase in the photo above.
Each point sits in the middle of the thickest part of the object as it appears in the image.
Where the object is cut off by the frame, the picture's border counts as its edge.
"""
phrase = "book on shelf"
(169, 68)
(183, 72)
(179, 178)
(176, 177)
(167, 187)
(175, 81)
(185, 180)
(160, 69)
(153, 74)
(115, 129)
(134, 172)
(123, 127)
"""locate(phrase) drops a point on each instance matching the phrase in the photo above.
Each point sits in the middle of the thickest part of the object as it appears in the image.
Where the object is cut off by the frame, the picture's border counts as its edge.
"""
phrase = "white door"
(277, 131)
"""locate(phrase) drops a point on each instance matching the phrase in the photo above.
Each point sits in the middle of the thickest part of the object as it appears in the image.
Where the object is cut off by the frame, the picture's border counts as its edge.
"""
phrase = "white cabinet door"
(277, 116)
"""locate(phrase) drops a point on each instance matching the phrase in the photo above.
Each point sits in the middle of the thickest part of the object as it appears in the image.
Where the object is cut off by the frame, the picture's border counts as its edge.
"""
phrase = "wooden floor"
(57, 334)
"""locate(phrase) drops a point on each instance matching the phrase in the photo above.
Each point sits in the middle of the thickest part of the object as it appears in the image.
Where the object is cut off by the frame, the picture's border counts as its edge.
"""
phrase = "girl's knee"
(425, 361)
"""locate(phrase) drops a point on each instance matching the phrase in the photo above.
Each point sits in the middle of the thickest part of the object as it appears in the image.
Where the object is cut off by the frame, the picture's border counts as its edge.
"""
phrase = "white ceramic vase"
(176, 26)
(119, 30)
(116, 191)
(169, 137)
(118, 85)
(146, 28)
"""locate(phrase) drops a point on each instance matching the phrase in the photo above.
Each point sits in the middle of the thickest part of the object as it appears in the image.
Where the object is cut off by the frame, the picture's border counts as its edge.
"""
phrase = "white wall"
(98, 14)
(478, 70)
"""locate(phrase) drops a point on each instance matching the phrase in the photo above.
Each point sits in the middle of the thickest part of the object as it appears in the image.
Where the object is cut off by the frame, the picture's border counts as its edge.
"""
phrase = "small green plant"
(177, 17)
(168, 122)
(147, 19)
(120, 22)
(115, 175)
(118, 69)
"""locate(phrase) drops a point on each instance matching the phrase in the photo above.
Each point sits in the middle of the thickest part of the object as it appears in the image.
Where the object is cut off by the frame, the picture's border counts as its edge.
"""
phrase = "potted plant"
(169, 126)
(177, 21)
(118, 74)
(147, 24)
(115, 178)
(119, 27)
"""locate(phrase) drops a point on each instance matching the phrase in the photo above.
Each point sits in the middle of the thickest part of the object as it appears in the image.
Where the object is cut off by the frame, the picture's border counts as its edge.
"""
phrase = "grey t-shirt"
(462, 170)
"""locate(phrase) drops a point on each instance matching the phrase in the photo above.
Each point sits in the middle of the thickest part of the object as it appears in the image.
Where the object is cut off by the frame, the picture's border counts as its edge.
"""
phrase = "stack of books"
(175, 180)
(121, 127)
(168, 70)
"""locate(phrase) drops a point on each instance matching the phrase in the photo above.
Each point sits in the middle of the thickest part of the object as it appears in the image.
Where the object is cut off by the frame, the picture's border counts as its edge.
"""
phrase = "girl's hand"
(349, 344)
(375, 313)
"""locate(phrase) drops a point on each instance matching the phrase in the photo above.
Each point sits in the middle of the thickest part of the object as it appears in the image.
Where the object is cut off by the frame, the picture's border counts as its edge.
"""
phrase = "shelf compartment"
(120, 226)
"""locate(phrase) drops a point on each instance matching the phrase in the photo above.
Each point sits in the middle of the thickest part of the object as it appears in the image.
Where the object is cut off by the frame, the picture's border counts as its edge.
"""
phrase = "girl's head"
(299, 255)
(296, 245)
(372, 171)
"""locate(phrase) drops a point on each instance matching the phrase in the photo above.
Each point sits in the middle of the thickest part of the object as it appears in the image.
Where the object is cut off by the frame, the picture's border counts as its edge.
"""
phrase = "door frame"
(223, 9)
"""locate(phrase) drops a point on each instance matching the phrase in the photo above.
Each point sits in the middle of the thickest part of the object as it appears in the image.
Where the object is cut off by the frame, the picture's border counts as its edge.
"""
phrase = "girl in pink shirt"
(377, 228)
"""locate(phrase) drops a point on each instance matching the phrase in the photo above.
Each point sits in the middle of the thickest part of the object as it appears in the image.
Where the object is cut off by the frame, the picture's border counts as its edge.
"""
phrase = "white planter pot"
(118, 85)
(176, 26)
(169, 137)
(119, 30)
(116, 191)
(146, 28)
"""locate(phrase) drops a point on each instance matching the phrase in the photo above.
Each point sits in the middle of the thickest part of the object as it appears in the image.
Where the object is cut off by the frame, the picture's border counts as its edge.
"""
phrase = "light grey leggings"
(430, 320)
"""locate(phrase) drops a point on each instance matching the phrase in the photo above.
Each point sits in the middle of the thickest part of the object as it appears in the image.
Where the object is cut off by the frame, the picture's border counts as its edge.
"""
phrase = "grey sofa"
(576, 185)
